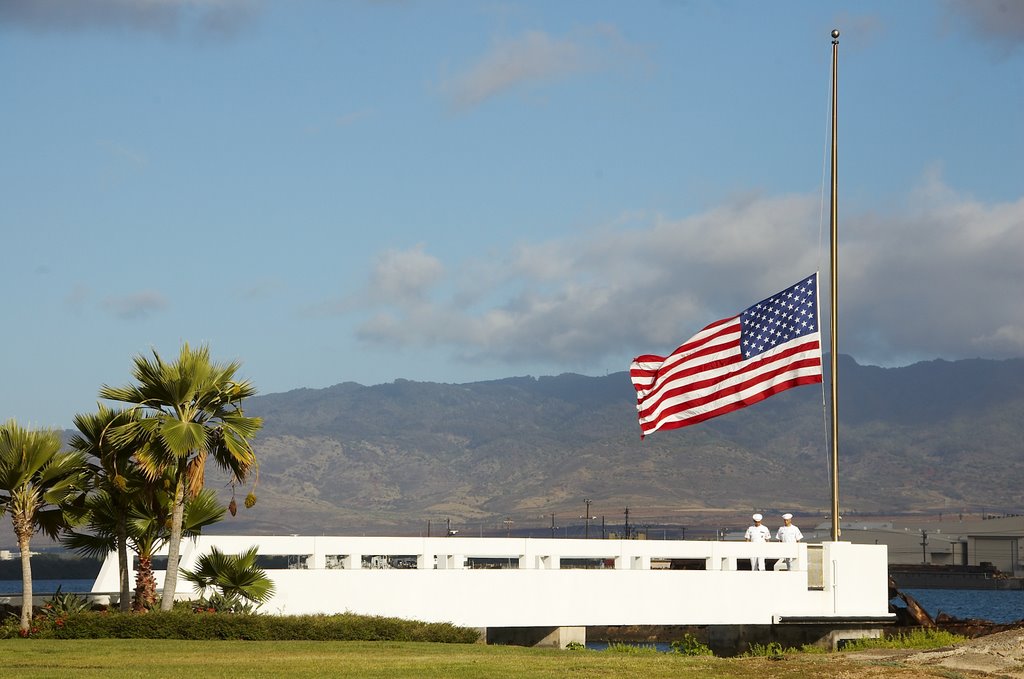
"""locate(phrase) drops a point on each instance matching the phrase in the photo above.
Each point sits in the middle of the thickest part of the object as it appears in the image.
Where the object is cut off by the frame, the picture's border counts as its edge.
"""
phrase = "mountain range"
(527, 452)
(522, 455)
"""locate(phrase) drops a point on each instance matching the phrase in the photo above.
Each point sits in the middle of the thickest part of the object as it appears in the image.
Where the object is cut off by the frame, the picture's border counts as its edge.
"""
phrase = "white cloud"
(865, 29)
(77, 297)
(573, 300)
(997, 21)
(340, 121)
(124, 154)
(260, 290)
(135, 306)
(404, 277)
(940, 277)
(533, 58)
(1006, 340)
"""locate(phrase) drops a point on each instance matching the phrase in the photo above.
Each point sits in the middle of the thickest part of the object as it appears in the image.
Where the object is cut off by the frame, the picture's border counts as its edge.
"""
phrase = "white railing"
(556, 582)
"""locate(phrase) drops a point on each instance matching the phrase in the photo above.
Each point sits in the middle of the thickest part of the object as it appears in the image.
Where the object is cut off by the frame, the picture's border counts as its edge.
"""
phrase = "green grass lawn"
(113, 658)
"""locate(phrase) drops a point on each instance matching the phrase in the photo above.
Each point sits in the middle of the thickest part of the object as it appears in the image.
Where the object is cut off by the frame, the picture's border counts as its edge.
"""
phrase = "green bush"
(813, 648)
(920, 638)
(630, 649)
(689, 645)
(773, 650)
(186, 624)
(224, 603)
(63, 604)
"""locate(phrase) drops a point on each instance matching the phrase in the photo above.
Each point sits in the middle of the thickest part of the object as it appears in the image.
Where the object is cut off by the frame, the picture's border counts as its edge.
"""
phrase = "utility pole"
(602, 527)
(586, 529)
(626, 529)
(553, 525)
(924, 544)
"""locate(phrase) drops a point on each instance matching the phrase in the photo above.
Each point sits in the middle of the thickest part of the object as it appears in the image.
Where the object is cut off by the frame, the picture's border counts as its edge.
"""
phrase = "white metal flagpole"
(834, 327)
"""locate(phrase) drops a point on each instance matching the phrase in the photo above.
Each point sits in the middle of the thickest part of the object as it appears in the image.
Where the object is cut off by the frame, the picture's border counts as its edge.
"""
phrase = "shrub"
(63, 604)
(9, 625)
(575, 646)
(630, 649)
(234, 577)
(224, 603)
(813, 648)
(773, 650)
(185, 624)
(919, 638)
(689, 645)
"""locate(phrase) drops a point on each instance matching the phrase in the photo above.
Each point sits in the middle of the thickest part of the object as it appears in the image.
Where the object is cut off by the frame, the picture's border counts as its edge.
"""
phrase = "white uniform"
(788, 533)
(757, 534)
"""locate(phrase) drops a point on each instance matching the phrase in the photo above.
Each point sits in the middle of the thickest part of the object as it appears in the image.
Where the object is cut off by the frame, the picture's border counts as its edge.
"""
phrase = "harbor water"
(999, 606)
(43, 587)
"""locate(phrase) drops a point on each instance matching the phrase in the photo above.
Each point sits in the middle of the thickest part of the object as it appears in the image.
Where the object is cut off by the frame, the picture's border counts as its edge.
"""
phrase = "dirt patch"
(1000, 655)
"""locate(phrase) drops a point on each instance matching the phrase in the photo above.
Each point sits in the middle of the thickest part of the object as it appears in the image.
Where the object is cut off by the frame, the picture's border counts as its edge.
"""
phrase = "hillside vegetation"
(938, 435)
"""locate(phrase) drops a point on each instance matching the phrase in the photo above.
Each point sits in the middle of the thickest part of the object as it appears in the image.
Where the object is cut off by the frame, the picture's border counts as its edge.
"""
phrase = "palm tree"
(115, 478)
(233, 576)
(191, 413)
(146, 531)
(38, 485)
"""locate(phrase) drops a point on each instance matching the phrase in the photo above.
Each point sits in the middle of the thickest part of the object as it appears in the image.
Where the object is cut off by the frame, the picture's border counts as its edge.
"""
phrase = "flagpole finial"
(835, 35)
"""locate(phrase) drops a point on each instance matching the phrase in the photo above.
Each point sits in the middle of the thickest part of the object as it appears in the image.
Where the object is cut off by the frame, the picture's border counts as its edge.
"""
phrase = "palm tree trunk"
(124, 604)
(145, 584)
(26, 574)
(174, 543)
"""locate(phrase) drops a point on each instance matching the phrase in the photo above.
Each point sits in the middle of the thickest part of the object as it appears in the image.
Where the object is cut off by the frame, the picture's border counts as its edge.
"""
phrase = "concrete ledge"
(726, 640)
(543, 637)
(836, 621)
(836, 639)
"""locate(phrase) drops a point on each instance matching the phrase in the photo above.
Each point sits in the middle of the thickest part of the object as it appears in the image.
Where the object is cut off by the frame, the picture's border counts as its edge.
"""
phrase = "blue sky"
(460, 191)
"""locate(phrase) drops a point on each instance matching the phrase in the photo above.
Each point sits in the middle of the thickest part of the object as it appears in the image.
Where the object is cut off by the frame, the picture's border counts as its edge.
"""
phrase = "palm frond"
(181, 438)
(40, 483)
(201, 511)
(89, 545)
(231, 575)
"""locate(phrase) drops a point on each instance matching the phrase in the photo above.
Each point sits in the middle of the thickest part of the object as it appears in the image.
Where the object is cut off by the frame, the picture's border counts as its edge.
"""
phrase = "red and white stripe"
(707, 376)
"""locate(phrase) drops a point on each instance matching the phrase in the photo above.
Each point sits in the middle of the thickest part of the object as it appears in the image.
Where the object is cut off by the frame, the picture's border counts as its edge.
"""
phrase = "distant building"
(7, 555)
(977, 542)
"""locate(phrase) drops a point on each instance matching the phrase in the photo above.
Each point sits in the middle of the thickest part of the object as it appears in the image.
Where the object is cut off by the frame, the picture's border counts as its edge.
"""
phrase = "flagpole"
(834, 287)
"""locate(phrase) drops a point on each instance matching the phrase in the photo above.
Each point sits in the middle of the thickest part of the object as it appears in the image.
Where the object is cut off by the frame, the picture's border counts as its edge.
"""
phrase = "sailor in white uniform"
(757, 533)
(788, 532)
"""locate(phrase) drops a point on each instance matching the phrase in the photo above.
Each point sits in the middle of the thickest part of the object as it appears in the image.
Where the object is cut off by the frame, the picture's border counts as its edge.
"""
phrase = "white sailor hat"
(787, 516)
(757, 517)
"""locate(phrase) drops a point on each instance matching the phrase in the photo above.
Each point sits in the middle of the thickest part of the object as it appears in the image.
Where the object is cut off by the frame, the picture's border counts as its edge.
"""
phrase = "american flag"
(735, 362)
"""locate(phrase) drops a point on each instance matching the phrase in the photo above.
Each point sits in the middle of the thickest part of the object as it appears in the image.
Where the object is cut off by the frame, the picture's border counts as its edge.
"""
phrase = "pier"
(524, 590)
